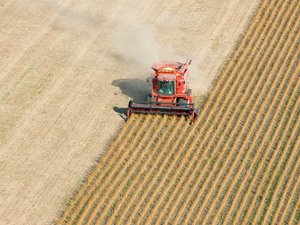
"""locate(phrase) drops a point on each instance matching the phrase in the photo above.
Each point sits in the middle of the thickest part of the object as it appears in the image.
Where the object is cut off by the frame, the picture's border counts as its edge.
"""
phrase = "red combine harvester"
(170, 93)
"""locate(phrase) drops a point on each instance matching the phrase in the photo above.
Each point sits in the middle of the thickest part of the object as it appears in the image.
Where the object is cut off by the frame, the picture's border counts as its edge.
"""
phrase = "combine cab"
(170, 93)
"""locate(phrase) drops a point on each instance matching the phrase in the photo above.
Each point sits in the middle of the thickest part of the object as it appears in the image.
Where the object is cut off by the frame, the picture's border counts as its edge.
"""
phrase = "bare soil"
(67, 71)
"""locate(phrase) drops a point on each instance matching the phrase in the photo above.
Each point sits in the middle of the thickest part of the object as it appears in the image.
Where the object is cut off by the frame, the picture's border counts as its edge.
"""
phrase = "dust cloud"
(136, 44)
(133, 43)
(66, 17)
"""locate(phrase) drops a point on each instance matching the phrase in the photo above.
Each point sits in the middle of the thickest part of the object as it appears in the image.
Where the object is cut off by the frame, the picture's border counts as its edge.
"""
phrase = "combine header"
(170, 93)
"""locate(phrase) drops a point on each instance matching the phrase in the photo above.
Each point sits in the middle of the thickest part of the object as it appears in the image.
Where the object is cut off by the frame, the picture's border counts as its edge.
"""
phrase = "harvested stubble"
(238, 163)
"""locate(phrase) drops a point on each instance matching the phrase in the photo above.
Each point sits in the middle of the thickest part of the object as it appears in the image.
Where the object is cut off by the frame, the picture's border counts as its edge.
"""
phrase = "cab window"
(166, 87)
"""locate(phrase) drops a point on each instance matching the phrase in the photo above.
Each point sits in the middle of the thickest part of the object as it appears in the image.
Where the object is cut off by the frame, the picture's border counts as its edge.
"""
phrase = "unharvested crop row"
(112, 172)
(255, 139)
(239, 57)
(205, 144)
(159, 162)
(230, 83)
(268, 137)
(225, 136)
(119, 178)
(116, 152)
(273, 165)
(238, 163)
(91, 205)
(143, 181)
(83, 192)
(236, 166)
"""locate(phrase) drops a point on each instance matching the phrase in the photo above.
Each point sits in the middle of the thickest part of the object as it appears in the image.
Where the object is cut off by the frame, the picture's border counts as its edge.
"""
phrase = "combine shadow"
(135, 89)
